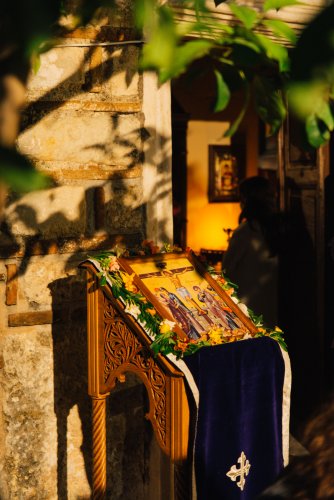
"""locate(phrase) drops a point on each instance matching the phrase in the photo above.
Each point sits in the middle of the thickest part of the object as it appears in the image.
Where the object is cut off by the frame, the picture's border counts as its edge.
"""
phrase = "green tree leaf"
(247, 49)
(269, 103)
(144, 13)
(249, 17)
(158, 54)
(281, 29)
(278, 4)
(200, 7)
(316, 135)
(223, 93)
(324, 113)
(235, 125)
(306, 97)
(276, 52)
(35, 62)
(246, 43)
(183, 56)
(18, 173)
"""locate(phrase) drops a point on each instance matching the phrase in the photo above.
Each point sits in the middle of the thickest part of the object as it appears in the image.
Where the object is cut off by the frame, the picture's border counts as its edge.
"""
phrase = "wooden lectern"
(116, 345)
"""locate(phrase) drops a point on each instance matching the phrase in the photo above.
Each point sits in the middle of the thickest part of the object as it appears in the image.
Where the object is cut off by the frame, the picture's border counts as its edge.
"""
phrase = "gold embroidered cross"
(243, 471)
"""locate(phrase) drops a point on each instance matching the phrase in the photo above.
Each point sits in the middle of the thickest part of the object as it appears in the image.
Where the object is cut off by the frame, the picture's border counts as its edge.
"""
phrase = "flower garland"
(166, 340)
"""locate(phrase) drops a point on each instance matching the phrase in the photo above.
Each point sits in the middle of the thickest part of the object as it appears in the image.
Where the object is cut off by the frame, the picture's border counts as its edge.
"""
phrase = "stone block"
(123, 206)
(11, 285)
(88, 74)
(51, 213)
(51, 283)
(83, 137)
(60, 68)
(121, 79)
(30, 318)
(29, 465)
(66, 172)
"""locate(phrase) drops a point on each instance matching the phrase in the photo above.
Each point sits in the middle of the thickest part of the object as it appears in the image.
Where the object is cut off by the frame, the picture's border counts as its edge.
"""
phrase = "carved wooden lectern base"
(116, 345)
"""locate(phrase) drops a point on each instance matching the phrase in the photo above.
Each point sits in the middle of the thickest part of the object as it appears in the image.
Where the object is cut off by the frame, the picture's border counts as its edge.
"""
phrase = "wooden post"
(99, 449)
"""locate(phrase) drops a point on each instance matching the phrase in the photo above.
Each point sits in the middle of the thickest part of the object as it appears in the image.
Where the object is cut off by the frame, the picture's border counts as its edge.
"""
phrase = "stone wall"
(106, 143)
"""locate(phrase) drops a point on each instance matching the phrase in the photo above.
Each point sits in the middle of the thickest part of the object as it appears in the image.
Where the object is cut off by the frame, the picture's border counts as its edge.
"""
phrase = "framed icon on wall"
(226, 170)
(223, 174)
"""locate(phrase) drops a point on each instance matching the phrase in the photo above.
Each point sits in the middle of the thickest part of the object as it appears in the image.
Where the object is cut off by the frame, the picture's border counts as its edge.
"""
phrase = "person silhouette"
(251, 260)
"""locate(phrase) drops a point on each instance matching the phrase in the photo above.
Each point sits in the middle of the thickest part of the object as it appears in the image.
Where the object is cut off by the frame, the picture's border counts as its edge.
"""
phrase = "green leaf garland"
(166, 340)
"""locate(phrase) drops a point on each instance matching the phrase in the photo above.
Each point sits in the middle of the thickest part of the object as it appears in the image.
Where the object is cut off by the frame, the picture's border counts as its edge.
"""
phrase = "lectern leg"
(99, 449)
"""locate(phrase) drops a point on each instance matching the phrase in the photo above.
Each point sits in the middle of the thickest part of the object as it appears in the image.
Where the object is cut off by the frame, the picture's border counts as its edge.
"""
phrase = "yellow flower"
(204, 337)
(152, 312)
(278, 329)
(166, 326)
(128, 282)
(215, 336)
(164, 329)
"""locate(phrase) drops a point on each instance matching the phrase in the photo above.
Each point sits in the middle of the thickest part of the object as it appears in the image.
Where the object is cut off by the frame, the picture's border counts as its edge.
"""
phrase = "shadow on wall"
(120, 214)
(129, 441)
(129, 435)
(70, 370)
(121, 207)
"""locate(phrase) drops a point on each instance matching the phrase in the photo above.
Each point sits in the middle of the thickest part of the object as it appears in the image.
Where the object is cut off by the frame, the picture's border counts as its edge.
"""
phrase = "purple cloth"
(240, 410)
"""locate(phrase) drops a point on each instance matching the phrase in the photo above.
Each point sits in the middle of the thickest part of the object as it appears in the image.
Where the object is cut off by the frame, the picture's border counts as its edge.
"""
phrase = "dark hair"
(258, 205)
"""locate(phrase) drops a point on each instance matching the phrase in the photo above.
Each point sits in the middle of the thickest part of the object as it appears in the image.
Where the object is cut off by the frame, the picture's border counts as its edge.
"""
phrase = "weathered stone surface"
(11, 284)
(27, 247)
(29, 466)
(63, 172)
(123, 208)
(59, 67)
(123, 80)
(78, 486)
(128, 438)
(45, 407)
(78, 103)
(30, 318)
(42, 286)
(86, 74)
(53, 212)
(84, 136)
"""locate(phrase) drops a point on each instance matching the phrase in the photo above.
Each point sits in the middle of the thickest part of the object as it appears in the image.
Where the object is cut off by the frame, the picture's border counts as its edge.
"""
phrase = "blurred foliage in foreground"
(298, 73)
(26, 30)
(287, 72)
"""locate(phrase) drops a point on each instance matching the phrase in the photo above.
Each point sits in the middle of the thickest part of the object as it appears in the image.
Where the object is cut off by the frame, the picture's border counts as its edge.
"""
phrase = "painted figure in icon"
(226, 175)
(216, 307)
(227, 184)
(173, 276)
(182, 315)
(232, 319)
